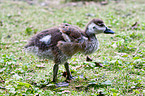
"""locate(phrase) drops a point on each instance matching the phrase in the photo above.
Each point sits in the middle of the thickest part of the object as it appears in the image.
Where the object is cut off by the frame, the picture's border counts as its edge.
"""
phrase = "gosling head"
(97, 26)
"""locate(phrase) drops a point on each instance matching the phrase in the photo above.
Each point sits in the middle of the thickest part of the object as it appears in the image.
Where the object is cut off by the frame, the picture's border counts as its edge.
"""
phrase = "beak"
(109, 31)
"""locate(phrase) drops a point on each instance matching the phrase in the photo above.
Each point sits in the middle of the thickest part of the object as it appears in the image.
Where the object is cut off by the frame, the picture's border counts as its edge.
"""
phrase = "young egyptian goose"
(61, 43)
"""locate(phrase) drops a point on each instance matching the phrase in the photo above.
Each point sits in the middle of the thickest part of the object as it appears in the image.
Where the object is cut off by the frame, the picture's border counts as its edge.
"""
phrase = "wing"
(71, 33)
(72, 47)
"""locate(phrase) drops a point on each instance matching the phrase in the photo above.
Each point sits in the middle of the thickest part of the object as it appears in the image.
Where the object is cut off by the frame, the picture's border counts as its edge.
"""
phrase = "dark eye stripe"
(101, 24)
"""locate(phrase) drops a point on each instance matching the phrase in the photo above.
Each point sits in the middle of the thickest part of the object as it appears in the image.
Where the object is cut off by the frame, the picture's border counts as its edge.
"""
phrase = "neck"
(91, 36)
(91, 44)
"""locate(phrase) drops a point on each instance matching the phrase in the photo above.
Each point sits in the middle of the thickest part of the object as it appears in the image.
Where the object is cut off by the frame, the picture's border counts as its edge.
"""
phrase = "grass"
(122, 54)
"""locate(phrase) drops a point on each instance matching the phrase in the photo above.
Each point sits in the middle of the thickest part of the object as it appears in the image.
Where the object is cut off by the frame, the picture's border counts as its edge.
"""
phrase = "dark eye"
(94, 27)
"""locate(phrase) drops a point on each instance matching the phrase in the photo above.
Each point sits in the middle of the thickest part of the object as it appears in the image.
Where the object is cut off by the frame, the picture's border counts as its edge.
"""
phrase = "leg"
(55, 70)
(69, 76)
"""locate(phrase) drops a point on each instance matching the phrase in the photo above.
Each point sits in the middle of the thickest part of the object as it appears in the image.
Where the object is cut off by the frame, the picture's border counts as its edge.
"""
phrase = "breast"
(91, 46)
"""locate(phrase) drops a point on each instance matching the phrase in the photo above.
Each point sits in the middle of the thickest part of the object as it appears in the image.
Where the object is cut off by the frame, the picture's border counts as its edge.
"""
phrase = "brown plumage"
(62, 42)
(73, 32)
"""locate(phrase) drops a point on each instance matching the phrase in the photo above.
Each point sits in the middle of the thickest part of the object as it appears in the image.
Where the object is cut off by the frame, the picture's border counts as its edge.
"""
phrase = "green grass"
(122, 54)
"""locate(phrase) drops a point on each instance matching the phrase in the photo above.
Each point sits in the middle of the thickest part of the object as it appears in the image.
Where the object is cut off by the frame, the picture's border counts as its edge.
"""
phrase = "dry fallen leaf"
(2, 87)
(9, 36)
(80, 67)
(98, 64)
(67, 81)
(66, 91)
(2, 81)
(1, 23)
(20, 58)
(79, 87)
(40, 66)
(42, 60)
(62, 84)
(88, 58)
(121, 54)
(135, 25)
(104, 3)
(90, 14)
(101, 94)
(64, 74)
